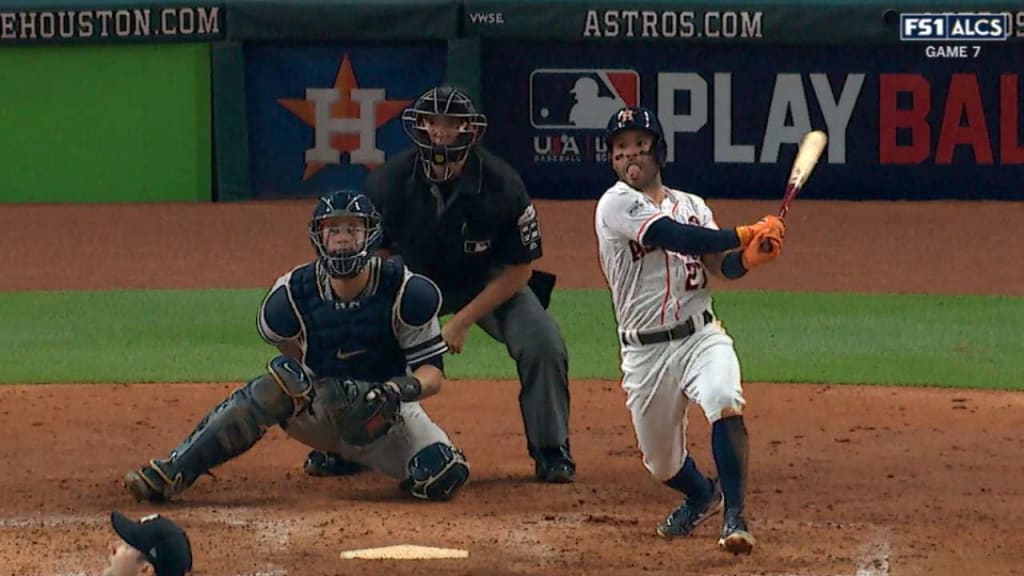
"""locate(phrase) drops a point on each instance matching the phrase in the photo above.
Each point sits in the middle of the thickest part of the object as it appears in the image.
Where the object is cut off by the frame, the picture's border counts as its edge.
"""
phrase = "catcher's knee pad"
(436, 472)
(291, 378)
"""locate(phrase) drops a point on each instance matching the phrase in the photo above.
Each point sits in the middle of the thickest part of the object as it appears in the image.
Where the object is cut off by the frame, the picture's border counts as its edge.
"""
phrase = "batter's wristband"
(409, 388)
(732, 265)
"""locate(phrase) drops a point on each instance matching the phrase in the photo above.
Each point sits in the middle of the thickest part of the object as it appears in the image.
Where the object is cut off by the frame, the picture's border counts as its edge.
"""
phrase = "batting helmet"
(453, 103)
(348, 262)
(638, 118)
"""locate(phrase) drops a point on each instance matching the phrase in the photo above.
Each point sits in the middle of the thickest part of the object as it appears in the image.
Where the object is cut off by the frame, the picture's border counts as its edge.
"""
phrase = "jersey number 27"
(696, 279)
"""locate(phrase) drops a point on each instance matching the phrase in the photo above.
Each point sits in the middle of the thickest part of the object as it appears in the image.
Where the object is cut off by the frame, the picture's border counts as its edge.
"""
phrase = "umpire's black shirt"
(457, 233)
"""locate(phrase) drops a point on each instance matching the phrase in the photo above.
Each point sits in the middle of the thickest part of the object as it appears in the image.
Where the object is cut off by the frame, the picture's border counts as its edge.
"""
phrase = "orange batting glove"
(754, 254)
(767, 224)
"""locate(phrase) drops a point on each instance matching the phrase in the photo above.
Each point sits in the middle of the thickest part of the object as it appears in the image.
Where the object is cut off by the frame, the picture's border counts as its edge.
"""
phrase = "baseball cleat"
(735, 537)
(328, 464)
(685, 519)
(151, 484)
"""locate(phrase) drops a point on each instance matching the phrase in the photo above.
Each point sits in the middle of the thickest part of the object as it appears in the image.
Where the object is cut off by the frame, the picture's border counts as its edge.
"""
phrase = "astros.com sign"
(153, 24)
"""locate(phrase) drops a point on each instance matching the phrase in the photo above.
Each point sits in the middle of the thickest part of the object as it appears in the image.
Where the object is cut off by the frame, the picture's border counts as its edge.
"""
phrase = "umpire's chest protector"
(351, 339)
(455, 241)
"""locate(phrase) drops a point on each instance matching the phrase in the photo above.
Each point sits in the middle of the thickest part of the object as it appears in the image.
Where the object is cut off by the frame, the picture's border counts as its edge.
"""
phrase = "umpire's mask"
(444, 125)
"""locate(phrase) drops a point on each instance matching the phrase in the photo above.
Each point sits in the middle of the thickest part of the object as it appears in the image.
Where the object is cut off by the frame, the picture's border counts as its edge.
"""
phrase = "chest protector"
(351, 339)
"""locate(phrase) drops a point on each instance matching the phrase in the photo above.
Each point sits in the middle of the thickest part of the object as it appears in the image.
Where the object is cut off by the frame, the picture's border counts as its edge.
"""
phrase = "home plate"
(404, 552)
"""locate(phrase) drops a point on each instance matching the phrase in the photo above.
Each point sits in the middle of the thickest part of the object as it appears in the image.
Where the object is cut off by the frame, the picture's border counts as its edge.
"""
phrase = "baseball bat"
(811, 147)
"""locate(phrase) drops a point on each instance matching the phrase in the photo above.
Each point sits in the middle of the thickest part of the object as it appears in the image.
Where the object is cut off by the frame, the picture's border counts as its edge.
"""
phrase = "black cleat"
(153, 484)
(329, 464)
(735, 537)
(685, 519)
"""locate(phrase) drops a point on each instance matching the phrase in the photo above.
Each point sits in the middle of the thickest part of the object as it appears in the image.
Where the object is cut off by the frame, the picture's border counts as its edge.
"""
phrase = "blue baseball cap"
(160, 541)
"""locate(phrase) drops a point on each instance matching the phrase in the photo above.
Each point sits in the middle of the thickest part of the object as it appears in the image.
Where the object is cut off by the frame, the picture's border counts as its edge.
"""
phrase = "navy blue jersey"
(390, 328)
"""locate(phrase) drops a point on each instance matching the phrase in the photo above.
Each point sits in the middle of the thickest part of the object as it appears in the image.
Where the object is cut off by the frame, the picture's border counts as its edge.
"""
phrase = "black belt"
(677, 332)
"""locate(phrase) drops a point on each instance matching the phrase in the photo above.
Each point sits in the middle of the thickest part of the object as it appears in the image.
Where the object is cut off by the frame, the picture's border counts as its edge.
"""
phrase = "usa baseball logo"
(580, 98)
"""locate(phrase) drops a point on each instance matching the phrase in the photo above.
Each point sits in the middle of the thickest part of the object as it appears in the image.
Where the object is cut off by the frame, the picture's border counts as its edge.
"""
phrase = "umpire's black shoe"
(328, 464)
(555, 466)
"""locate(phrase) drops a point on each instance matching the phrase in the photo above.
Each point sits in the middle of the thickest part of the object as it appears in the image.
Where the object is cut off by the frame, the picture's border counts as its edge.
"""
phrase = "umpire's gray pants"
(535, 342)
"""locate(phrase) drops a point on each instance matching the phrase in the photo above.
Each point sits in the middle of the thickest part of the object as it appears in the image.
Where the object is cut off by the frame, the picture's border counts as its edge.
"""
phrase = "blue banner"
(320, 117)
(904, 121)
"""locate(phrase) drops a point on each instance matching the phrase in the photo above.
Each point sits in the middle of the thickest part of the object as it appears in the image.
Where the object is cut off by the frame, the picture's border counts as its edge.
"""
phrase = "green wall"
(126, 123)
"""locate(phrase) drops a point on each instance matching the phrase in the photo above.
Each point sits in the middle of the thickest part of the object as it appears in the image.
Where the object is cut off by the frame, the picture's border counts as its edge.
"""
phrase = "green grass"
(210, 335)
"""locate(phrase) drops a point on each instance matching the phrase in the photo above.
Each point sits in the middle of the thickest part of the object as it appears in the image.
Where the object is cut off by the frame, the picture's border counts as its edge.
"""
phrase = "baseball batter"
(361, 345)
(656, 246)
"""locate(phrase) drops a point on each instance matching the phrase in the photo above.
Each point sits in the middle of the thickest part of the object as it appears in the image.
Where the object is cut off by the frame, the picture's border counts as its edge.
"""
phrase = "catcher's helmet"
(638, 118)
(443, 101)
(345, 263)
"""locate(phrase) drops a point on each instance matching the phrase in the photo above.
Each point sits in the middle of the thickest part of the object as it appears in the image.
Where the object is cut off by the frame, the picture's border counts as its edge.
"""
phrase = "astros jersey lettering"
(650, 289)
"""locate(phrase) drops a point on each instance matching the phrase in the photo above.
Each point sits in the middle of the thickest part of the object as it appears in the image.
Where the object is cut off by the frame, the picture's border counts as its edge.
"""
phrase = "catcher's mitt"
(371, 410)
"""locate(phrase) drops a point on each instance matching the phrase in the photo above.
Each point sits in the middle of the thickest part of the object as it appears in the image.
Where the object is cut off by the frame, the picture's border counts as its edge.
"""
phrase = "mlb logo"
(581, 98)
(476, 246)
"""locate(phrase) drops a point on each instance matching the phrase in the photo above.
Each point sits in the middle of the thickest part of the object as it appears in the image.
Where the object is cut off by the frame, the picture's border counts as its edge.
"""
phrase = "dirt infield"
(844, 480)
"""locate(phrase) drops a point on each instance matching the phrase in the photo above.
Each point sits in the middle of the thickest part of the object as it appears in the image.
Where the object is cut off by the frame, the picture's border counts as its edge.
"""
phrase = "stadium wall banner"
(82, 23)
(904, 121)
(349, 20)
(810, 22)
(321, 116)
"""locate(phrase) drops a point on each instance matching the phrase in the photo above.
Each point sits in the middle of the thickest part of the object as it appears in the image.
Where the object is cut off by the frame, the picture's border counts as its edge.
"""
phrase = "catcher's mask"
(638, 118)
(434, 105)
(349, 261)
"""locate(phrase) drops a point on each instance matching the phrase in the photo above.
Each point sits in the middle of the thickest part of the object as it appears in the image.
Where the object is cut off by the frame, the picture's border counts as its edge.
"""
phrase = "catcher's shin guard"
(234, 426)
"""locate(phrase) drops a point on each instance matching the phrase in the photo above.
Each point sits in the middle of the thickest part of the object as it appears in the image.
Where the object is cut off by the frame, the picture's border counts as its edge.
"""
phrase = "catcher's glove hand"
(371, 410)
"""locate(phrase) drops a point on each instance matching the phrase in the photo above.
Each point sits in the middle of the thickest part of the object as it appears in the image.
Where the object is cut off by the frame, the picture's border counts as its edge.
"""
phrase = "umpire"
(461, 216)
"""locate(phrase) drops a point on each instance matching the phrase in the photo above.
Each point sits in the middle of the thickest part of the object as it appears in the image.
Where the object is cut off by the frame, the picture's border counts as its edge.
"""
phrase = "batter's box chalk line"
(875, 551)
(272, 536)
(53, 520)
(271, 572)
(874, 559)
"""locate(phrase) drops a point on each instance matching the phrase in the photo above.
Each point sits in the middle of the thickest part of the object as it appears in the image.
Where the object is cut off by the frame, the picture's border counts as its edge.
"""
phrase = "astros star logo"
(345, 119)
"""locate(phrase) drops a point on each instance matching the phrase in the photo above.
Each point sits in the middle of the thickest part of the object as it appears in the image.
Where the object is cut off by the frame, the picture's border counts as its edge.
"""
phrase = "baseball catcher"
(361, 346)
